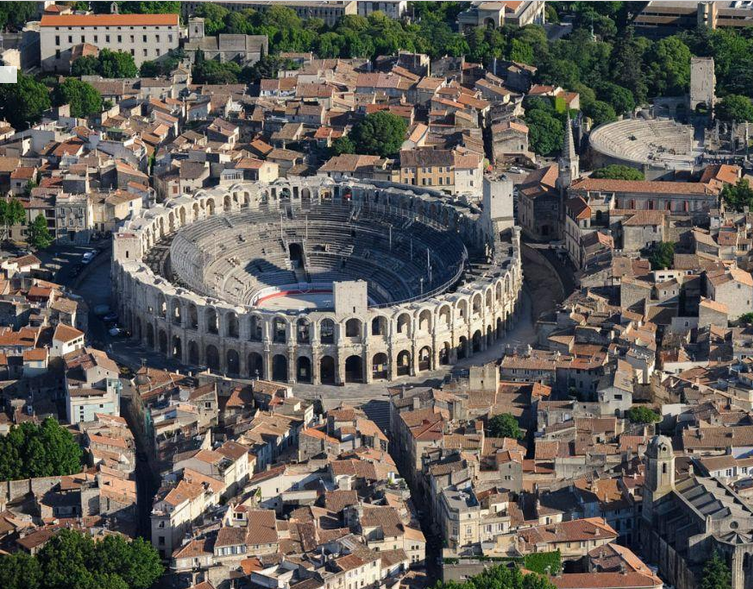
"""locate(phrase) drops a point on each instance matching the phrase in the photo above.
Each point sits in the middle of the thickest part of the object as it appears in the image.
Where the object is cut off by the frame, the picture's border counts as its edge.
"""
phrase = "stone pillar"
(340, 368)
(292, 364)
(315, 365)
(267, 359)
(367, 371)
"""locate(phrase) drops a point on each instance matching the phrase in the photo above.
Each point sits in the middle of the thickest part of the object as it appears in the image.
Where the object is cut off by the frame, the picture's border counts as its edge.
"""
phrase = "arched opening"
(489, 336)
(177, 320)
(280, 368)
(162, 339)
(193, 353)
(379, 366)
(403, 324)
(193, 317)
(228, 205)
(424, 359)
(444, 318)
(150, 336)
(295, 252)
(327, 370)
(177, 348)
(233, 363)
(476, 305)
(489, 300)
(379, 326)
(279, 331)
(303, 370)
(444, 354)
(476, 341)
(500, 327)
(213, 358)
(212, 326)
(255, 328)
(462, 347)
(424, 320)
(403, 363)
(255, 365)
(303, 335)
(463, 310)
(354, 369)
(327, 328)
(353, 328)
(233, 329)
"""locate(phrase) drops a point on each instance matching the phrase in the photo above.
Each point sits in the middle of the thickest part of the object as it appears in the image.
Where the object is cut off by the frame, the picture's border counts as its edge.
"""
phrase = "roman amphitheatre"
(317, 281)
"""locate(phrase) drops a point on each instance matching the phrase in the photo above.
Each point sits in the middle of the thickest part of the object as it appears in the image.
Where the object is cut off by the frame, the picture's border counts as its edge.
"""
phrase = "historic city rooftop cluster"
(349, 294)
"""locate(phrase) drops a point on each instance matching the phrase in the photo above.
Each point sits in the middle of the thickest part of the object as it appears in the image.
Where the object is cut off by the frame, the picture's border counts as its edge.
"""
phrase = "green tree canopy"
(738, 196)
(83, 98)
(716, 573)
(618, 172)
(14, 15)
(380, 133)
(736, 108)
(108, 64)
(72, 560)
(22, 103)
(31, 450)
(643, 414)
(500, 577)
(619, 97)
(504, 425)
(39, 236)
(669, 67)
(546, 132)
(214, 72)
(662, 255)
(600, 112)
(343, 145)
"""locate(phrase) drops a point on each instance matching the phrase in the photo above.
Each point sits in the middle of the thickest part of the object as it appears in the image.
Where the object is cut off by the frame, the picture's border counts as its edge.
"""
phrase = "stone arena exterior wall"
(392, 341)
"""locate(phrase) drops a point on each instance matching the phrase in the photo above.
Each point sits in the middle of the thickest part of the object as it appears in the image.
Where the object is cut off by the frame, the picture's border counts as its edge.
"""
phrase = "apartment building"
(145, 36)
(447, 170)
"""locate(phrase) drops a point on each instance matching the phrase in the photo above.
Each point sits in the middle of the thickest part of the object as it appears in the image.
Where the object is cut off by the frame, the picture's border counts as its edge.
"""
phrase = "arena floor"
(285, 301)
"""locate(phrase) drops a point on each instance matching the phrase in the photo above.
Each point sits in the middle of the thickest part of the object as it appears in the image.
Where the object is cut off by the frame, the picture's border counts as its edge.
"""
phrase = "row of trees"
(72, 560)
(500, 577)
(30, 450)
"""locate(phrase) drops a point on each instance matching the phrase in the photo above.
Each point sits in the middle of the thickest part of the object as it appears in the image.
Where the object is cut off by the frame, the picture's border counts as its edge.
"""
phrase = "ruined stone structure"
(384, 280)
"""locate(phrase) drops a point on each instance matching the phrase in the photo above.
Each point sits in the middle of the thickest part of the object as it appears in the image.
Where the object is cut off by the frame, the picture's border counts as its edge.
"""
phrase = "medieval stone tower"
(660, 473)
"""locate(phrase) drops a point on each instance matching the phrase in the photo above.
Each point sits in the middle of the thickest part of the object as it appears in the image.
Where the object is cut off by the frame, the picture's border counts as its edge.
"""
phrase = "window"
(157, 38)
(107, 38)
(57, 54)
(120, 38)
(143, 37)
(170, 38)
(145, 51)
(70, 38)
(57, 39)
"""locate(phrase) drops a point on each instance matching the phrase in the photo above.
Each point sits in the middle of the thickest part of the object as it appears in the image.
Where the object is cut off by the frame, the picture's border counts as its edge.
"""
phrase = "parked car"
(119, 332)
(88, 257)
(111, 317)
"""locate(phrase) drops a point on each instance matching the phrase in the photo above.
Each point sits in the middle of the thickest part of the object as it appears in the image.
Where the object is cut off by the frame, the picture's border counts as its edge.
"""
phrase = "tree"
(746, 319)
(214, 72)
(618, 172)
(84, 99)
(545, 132)
(600, 113)
(669, 67)
(72, 560)
(642, 414)
(12, 212)
(39, 236)
(20, 571)
(22, 103)
(88, 65)
(117, 64)
(343, 145)
(16, 14)
(31, 450)
(545, 563)
(500, 577)
(662, 255)
(739, 196)
(380, 133)
(266, 68)
(716, 573)
(504, 425)
(214, 17)
(108, 64)
(735, 108)
(619, 97)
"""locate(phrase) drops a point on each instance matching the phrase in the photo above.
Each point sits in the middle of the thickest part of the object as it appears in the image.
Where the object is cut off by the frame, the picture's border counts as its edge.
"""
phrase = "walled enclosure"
(389, 340)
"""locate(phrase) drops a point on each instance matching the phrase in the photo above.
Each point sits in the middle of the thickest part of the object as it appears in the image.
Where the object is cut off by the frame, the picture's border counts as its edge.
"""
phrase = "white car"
(88, 257)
